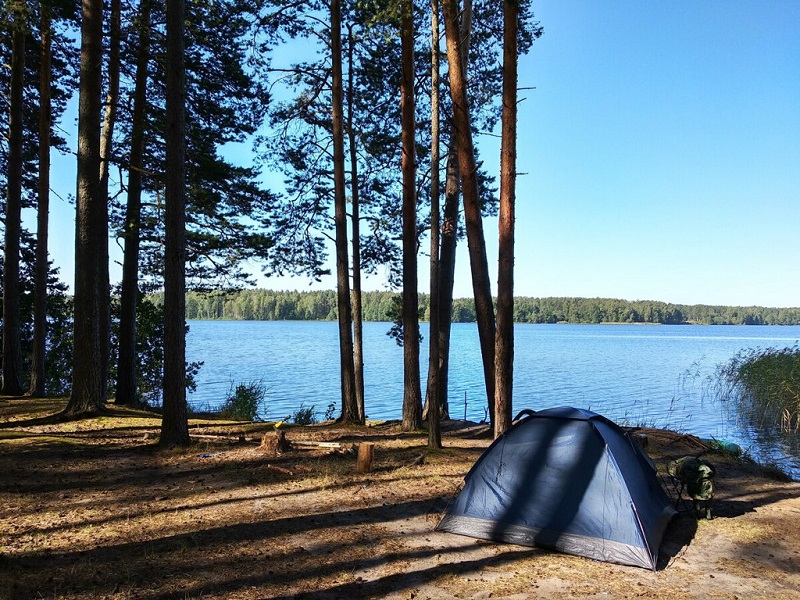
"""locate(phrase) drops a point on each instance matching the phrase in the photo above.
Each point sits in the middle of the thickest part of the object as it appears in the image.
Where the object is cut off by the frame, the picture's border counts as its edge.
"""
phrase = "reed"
(764, 385)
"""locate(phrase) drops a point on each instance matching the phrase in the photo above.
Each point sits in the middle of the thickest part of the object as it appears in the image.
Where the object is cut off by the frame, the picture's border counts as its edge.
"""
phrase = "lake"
(633, 374)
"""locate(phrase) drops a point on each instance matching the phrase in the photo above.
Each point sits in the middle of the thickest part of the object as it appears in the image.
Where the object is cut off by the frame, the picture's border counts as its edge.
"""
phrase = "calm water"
(633, 374)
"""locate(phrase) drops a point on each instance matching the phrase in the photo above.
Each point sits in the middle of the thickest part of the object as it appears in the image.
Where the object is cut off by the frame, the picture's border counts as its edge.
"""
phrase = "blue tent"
(566, 479)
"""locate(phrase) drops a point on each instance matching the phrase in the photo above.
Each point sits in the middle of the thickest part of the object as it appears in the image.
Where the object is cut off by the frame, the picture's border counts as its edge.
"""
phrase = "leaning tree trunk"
(434, 357)
(358, 312)
(87, 377)
(412, 393)
(12, 350)
(481, 285)
(504, 344)
(350, 412)
(127, 392)
(109, 118)
(37, 387)
(449, 236)
(174, 422)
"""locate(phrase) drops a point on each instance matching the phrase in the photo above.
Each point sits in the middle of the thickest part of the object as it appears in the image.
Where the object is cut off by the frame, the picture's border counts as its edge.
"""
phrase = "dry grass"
(94, 509)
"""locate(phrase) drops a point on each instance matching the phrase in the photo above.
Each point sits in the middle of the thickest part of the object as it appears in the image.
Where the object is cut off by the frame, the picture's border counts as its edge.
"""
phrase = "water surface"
(633, 374)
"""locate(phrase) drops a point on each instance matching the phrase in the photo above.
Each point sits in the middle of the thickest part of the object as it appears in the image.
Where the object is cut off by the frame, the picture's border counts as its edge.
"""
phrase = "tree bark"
(504, 343)
(37, 387)
(12, 349)
(87, 386)
(481, 285)
(434, 362)
(106, 137)
(412, 393)
(174, 422)
(449, 236)
(349, 405)
(127, 392)
(358, 313)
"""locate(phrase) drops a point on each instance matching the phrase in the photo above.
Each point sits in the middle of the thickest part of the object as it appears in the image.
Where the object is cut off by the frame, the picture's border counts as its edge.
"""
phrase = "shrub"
(244, 401)
(304, 416)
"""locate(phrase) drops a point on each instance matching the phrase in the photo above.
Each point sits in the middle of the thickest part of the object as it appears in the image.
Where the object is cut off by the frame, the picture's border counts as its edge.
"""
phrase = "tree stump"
(275, 442)
(366, 452)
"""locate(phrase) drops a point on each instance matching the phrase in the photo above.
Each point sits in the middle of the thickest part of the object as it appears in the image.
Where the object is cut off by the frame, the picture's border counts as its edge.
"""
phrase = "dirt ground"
(94, 509)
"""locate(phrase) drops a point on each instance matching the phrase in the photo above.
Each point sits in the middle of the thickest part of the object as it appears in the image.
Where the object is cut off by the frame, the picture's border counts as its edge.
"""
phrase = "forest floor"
(95, 509)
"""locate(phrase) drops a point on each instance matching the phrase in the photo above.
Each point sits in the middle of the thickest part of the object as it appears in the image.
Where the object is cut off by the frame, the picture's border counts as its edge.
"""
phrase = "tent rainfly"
(566, 479)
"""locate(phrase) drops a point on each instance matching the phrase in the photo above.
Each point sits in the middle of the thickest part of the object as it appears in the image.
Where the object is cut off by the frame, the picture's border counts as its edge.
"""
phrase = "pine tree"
(87, 378)
(350, 412)
(174, 422)
(12, 349)
(504, 343)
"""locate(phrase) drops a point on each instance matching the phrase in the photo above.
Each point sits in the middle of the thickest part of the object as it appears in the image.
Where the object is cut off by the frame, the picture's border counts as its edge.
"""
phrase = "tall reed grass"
(764, 385)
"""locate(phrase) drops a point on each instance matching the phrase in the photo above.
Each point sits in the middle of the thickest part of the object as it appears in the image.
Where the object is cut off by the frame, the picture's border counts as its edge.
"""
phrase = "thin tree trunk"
(449, 236)
(412, 393)
(87, 386)
(127, 392)
(106, 137)
(504, 343)
(12, 350)
(447, 266)
(434, 362)
(37, 387)
(358, 313)
(174, 423)
(481, 285)
(349, 405)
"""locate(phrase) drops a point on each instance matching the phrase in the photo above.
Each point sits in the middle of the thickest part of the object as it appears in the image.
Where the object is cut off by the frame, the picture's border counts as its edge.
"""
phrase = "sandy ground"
(93, 509)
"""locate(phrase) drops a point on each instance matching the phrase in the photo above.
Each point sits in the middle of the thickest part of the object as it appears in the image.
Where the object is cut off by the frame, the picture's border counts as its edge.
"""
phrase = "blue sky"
(661, 157)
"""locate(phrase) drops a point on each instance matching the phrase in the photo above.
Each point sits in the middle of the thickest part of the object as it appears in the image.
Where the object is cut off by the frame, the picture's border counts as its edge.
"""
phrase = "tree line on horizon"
(371, 131)
(277, 305)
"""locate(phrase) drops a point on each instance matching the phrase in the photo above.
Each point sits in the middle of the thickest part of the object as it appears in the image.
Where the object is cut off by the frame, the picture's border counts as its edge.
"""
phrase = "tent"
(566, 479)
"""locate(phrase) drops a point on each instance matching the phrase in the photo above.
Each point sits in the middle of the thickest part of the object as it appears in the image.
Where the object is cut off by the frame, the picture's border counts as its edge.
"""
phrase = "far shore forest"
(269, 305)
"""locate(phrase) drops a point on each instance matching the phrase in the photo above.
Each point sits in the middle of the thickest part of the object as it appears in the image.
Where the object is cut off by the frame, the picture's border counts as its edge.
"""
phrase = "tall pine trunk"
(434, 362)
(449, 236)
(412, 393)
(37, 387)
(87, 376)
(504, 343)
(127, 392)
(358, 312)
(106, 137)
(174, 422)
(350, 413)
(481, 285)
(12, 350)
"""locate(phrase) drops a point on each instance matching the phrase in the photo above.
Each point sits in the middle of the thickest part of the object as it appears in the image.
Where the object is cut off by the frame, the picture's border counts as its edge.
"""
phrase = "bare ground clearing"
(93, 509)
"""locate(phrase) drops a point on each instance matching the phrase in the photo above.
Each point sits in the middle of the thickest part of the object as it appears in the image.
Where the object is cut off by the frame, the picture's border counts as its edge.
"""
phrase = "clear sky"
(659, 156)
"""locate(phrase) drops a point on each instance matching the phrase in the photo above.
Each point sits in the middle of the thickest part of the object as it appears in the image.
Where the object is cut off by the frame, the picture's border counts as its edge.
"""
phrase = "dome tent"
(566, 479)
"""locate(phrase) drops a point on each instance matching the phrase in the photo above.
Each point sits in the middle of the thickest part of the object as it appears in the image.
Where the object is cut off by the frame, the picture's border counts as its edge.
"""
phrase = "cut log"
(366, 452)
(312, 444)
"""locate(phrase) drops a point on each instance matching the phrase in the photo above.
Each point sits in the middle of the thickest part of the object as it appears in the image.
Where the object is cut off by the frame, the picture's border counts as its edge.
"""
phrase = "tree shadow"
(678, 536)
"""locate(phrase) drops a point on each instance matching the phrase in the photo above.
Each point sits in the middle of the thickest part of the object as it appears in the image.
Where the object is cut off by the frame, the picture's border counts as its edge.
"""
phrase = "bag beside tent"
(570, 480)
